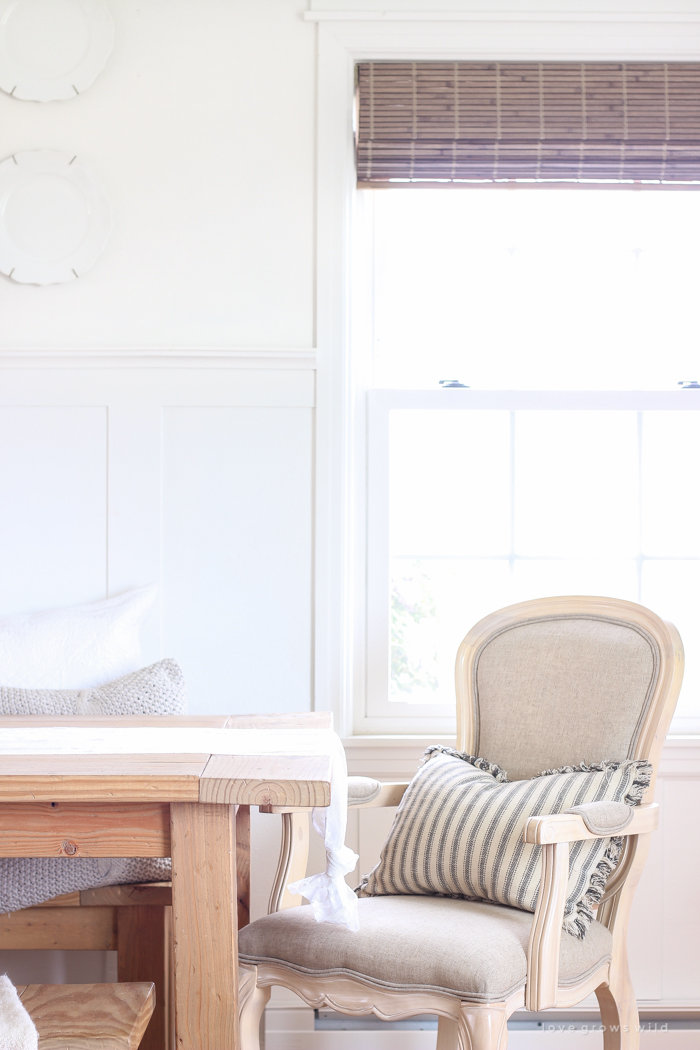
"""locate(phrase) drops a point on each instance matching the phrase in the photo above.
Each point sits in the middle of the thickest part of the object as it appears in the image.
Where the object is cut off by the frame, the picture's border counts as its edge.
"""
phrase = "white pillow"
(75, 646)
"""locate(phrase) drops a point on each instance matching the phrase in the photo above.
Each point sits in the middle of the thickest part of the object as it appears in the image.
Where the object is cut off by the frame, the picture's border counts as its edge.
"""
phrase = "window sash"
(382, 714)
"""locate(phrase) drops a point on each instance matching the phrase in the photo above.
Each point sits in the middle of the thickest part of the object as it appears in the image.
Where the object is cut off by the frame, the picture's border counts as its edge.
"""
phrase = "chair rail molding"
(345, 38)
(150, 357)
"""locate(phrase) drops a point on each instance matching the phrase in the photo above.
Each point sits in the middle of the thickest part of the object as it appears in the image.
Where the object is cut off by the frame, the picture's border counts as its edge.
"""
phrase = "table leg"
(203, 847)
(243, 864)
(142, 955)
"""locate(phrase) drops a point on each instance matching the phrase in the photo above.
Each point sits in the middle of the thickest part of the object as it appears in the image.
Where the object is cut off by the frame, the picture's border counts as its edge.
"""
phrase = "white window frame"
(382, 715)
(345, 38)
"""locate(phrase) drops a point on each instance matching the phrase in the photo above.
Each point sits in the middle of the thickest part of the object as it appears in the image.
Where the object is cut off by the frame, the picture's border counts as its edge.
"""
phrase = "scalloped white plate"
(52, 49)
(54, 218)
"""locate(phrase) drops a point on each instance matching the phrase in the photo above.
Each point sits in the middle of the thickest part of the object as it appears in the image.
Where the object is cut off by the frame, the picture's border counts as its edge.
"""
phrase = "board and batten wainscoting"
(664, 931)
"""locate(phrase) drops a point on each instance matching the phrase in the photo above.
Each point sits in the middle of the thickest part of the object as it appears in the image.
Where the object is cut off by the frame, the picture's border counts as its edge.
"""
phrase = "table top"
(167, 776)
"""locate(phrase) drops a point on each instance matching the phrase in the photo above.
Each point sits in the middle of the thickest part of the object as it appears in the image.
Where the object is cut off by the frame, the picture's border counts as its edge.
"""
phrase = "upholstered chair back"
(559, 681)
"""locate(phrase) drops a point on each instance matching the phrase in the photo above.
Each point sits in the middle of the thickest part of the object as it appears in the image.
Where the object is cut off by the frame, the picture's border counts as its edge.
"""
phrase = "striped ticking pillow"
(459, 833)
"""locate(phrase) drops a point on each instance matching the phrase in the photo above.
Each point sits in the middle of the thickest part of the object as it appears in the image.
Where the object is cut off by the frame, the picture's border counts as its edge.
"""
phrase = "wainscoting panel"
(198, 479)
(53, 493)
(237, 554)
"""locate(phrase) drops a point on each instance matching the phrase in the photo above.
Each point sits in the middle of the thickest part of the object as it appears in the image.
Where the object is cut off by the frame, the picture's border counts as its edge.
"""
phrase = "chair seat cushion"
(473, 950)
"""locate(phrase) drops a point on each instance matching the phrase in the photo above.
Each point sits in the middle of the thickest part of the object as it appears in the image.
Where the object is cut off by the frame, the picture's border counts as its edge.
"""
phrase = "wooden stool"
(89, 1016)
(133, 920)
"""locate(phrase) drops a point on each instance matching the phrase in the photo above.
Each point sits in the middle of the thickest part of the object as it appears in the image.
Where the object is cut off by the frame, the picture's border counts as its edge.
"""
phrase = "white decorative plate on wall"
(54, 218)
(52, 49)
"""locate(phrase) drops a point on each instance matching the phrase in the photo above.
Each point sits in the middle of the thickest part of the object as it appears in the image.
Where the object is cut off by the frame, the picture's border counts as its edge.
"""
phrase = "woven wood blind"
(506, 121)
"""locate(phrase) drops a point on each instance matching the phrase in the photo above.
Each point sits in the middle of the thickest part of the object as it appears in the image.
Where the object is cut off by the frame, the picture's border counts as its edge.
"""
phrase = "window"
(570, 465)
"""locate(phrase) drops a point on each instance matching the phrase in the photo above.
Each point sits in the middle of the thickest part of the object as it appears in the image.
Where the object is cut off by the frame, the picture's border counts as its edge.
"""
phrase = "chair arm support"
(294, 854)
(545, 936)
(570, 827)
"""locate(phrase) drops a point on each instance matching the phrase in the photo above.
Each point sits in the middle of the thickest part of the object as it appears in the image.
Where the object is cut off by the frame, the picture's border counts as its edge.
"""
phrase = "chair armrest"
(571, 827)
(390, 795)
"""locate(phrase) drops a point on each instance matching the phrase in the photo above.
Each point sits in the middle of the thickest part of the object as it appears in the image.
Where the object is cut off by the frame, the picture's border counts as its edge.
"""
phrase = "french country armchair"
(540, 685)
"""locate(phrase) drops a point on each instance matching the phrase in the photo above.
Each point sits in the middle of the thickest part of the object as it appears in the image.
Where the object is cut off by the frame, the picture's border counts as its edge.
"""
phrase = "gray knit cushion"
(475, 951)
(459, 833)
(155, 690)
(27, 881)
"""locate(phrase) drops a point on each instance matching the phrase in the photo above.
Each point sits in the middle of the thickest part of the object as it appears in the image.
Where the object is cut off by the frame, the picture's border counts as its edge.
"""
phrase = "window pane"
(576, 484)
(450, 483)
(488, 508)
(671, 588)
(670, 492)
(433, 605)
(605, 578)
(535, 290)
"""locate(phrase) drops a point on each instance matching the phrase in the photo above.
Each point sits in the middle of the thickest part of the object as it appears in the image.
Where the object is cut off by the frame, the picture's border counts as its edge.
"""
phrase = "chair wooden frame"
(473, 1026)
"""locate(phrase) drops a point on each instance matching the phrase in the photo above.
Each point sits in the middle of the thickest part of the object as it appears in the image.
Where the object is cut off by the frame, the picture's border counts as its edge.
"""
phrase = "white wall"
(201, 129)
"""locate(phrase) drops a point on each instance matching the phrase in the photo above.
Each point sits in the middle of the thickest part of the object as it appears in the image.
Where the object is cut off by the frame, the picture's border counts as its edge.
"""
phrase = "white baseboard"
(378, 1040)
(290, 1026)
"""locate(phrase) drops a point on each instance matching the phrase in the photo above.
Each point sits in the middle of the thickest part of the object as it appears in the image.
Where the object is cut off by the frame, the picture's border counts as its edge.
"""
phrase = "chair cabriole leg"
(448, 1034)
(251, 1011)
(483, 1027)
(619, 1014)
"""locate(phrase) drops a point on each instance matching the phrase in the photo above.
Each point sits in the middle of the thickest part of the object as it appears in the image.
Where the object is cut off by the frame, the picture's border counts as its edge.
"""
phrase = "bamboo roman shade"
(506, 121)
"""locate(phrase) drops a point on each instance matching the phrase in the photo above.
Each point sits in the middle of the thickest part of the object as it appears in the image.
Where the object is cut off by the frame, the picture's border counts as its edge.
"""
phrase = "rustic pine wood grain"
(89, 1016)
(143, 955)
(65, 900)
(137, 893)
(70, 829)
(66, 928)
(243, 864)
(268, 780)
(203, 840)
(128, 778)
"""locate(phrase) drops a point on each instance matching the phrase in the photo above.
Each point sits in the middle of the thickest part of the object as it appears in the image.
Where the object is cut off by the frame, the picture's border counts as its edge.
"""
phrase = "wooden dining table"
(192, 807)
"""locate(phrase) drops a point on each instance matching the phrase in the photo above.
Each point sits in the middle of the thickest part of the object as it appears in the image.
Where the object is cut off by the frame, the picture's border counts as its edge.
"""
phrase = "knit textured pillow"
(155, 690)
(459, 833)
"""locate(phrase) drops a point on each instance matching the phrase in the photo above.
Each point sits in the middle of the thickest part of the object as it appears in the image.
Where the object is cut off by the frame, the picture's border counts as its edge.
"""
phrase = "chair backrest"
(559, 681)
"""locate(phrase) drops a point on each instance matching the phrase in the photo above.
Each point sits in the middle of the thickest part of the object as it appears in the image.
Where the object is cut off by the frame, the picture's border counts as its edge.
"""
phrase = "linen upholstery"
(362, 789)
(559, 690)
(472, 950)
(604, 818)
(459, 832)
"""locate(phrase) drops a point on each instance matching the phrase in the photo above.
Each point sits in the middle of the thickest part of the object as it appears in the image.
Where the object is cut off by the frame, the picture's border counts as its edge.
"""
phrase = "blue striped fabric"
(459, 833)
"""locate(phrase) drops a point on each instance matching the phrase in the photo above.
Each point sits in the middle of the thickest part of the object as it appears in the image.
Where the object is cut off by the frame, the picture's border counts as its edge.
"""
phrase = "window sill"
(396, 756)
